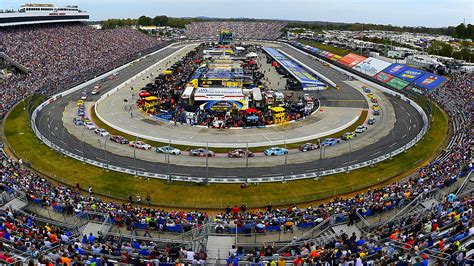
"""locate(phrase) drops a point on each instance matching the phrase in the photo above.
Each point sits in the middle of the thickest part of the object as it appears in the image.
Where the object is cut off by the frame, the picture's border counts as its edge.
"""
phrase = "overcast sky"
(431, 13)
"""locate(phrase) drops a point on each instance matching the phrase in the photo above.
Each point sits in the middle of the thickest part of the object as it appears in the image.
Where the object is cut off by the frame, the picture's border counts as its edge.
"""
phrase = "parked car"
(77, 121)
(89, 125)
(101, 132)
(360, 129)
(119, 139)
(139, 145)
(240, 153)
(275, 151)
(371, 121)
(330, 142)
(366, 89)
(201, 152)
(168, 150)
(348, 136)
(308, 147)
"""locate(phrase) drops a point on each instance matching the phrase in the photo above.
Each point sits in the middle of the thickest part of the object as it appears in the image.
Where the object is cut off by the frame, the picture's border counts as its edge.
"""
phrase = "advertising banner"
(429, 81)
(329, 55)
(336, 57)
(397, 83)
(351, 60)
(371, 66)
(384, 77)
(410, 74)
(395, 69)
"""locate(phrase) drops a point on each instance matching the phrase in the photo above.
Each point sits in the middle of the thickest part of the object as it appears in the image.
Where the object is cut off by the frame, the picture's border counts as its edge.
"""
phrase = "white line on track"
(184, 174)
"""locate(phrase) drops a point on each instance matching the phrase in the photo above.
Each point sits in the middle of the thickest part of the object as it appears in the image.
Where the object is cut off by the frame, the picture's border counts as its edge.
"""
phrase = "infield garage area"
(22, 142)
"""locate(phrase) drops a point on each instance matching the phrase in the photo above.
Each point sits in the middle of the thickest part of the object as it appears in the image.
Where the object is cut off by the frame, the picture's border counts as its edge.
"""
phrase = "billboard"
(395, 69)
(384, 77)
(429, 81)
(351, 60)
(336, 57)
(410, 74)
(329, 55)
(398, 83)
(371, 66)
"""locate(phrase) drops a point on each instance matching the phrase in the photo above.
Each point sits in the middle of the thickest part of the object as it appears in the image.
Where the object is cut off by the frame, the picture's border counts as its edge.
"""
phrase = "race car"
(366, 89)
(239, 153)
(348, 136)
(80, 102)
(84, 95)
(77, 121)
(376, 112)
(201, 152)
(371, 95)
(308, 147)
(89, 125)
(168, 150)
(139, 145)
(375, 107)
(360, 129)
(371, 121)
(374, 100)
(275, 151)
(119, 139)
(330, 142)
(80, 112)
(101, 132)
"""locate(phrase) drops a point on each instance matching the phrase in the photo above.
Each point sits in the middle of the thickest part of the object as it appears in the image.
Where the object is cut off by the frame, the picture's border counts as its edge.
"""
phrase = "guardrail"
(198, 179)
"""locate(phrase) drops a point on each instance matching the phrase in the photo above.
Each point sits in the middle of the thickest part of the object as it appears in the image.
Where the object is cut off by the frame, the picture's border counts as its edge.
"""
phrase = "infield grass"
(327, 48)
(23, 143)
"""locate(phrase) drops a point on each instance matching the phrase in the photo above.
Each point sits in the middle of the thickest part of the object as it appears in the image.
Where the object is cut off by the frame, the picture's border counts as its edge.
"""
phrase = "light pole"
(105, 154)
(350, 151)
(207, 161)
(135, 156)
(286, 159)
(247, 162)
(82, 146)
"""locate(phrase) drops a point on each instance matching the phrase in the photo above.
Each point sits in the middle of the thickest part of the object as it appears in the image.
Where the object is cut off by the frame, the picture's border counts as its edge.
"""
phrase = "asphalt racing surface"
(407, 126)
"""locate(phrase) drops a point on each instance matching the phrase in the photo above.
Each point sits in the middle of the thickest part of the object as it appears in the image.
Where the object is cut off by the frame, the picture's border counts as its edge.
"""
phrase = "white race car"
(139, 145)
(101, 132)
(89, 125)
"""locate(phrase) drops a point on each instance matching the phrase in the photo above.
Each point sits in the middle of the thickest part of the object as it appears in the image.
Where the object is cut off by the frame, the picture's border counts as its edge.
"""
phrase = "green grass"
(295, 145)
(327, 48)
(25, 145)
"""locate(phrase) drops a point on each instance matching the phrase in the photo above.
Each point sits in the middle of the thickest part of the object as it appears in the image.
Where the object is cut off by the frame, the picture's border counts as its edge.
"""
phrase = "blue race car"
(81, 112)
(275, 151)
(366, 89)
(330, 142)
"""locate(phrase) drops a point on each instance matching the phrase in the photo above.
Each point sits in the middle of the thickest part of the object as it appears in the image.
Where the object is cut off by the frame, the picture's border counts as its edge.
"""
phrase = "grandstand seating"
(240, 30)
(446, 227)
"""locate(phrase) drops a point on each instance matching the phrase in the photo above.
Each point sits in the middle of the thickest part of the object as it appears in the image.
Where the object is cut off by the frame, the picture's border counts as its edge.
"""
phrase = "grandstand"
(269, 30)
(424, 218)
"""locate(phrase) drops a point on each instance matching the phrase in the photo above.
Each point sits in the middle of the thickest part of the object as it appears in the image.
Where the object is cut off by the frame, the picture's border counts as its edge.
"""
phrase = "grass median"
(25, 145)
(327, 48)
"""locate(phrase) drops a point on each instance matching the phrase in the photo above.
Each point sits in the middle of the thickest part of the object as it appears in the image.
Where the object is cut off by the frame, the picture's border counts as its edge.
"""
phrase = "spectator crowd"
(60, 55)
(270, 30)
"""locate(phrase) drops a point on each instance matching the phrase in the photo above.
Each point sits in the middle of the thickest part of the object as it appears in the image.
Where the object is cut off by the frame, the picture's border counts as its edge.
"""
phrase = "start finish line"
(302, 75)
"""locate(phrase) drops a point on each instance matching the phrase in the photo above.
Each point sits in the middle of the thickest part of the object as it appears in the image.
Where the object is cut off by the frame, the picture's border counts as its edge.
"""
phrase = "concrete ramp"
(218, 248)
(94, 228)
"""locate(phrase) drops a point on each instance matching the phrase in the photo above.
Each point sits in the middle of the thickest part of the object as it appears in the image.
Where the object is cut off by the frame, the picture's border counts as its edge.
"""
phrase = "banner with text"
(371, 66)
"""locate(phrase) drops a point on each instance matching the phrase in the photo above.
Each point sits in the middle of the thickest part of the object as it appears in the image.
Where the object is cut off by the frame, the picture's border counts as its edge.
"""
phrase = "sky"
(429, 13)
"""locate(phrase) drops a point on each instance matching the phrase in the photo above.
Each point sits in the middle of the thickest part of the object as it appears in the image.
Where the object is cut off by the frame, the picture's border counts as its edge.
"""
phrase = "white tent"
(252, 54)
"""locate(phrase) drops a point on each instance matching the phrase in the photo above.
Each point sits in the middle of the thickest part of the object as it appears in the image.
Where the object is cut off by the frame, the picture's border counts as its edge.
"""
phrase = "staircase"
(94, 228)
(14, 204)
(217, 249)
